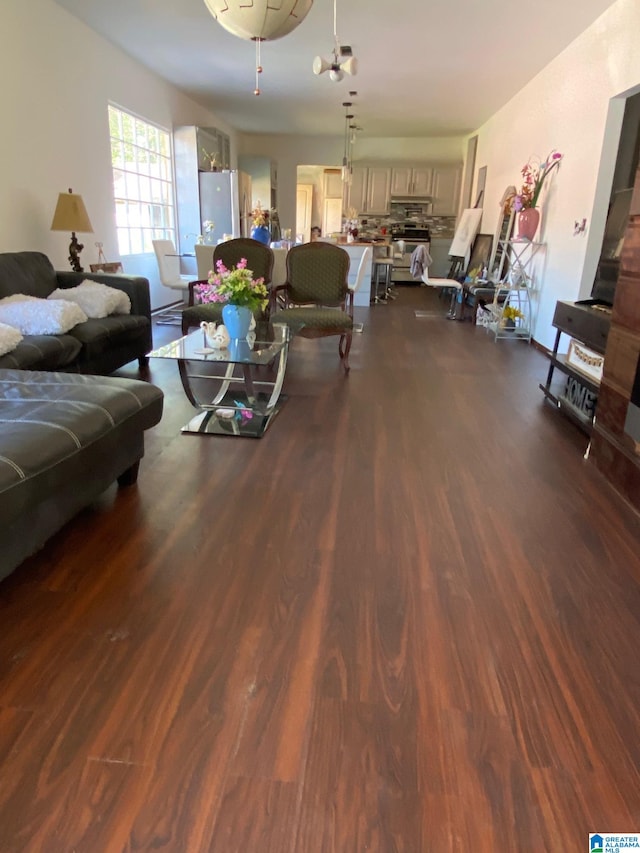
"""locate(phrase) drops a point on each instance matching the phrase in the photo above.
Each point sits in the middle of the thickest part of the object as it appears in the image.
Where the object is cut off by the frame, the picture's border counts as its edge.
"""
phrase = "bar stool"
(382, 275)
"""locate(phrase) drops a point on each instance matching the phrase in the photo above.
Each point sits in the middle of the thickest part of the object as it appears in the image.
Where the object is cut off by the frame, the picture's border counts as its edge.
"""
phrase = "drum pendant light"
(259, 20)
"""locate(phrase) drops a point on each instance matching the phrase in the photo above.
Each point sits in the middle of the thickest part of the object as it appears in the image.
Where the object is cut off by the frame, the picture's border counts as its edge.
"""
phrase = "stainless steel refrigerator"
(223, 198)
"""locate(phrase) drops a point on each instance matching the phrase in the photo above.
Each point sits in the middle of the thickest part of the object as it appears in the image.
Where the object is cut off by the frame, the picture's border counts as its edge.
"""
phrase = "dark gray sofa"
(96, 346)
(64, 439)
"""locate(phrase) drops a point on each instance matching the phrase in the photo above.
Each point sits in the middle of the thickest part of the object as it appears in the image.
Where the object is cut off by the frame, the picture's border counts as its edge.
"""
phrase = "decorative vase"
(237, 319)
(528, 221)
(261, 233)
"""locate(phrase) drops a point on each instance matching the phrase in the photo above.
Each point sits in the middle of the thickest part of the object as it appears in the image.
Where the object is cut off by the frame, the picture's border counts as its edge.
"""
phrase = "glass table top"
(269, 340)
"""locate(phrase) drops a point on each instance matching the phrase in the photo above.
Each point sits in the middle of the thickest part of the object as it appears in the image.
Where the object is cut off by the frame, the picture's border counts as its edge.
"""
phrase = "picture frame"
(465, 232)
(585, 360)
(107, 267)
(480, 251)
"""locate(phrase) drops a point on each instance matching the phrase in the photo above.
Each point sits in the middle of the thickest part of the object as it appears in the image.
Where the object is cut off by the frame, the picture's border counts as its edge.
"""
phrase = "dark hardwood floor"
(407, 619)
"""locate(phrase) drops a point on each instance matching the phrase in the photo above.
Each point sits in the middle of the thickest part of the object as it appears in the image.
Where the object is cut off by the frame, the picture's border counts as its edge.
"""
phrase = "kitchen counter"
(382, 241)
(355, 250)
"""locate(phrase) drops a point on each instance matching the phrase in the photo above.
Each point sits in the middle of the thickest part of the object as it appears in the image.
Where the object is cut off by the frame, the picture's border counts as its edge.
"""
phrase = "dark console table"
(587, 322)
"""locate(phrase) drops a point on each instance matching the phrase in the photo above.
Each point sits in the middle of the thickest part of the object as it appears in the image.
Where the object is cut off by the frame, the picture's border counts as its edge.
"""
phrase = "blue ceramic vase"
(262, 234)
(237, 320)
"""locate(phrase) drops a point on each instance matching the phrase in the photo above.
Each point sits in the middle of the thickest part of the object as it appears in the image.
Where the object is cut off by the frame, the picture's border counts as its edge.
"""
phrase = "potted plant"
(509, 316)
(525, 203)
(261, 230)
(242, 295)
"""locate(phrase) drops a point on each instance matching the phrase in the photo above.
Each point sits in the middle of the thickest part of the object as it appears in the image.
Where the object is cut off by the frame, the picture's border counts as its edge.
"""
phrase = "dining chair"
(317, 298)
(363, 266)
(204, 260)
(169, 265)
(169, 271)
(259, 260)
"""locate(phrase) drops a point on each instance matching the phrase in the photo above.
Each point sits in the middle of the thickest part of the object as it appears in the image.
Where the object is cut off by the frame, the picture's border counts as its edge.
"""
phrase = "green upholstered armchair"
(316, 297)
(259, 261)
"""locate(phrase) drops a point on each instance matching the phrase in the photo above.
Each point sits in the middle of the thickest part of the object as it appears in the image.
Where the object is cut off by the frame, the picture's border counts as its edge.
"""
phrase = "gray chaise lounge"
(64, 438)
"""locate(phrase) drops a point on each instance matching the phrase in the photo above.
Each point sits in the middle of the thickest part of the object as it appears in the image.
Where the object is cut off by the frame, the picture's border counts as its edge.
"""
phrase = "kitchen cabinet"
(378, 190)
(370, 189)
(332, 181)
(411, 181)
(332, 216)
(445, 190)
(357, 192)
(208, 144)
(194, 148)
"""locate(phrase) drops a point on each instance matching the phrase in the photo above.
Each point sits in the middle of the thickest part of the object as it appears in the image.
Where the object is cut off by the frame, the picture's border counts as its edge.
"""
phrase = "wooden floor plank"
(407, 619)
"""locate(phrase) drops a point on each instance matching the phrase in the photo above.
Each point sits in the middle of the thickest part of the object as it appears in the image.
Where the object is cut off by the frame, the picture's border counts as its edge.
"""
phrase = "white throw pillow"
(9, 338)
(96, 299)
(33, 316)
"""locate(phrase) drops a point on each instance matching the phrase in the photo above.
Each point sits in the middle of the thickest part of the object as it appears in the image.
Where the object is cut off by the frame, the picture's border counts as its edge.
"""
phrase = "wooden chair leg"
(344, 347)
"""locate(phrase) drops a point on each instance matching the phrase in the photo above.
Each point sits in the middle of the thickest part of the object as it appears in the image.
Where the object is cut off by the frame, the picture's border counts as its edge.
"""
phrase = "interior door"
(304, 199)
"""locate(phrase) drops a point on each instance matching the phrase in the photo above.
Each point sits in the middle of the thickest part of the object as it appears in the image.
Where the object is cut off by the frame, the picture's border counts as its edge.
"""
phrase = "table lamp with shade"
(71, 215)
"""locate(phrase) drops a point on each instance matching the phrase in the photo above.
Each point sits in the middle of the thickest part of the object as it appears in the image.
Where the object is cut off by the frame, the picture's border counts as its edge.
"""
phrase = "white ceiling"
(426, 67)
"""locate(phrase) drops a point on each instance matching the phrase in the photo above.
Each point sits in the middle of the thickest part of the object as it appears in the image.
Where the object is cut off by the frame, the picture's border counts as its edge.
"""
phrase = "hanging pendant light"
(346, 165)
(259, 20)
(354, 129)
(338, 66)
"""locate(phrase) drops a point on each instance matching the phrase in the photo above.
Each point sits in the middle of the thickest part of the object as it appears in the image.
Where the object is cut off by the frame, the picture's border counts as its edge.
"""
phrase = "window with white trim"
(142, 182)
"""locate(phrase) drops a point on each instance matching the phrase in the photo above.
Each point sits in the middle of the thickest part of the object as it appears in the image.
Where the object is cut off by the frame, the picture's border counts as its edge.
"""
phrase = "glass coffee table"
(239, 406)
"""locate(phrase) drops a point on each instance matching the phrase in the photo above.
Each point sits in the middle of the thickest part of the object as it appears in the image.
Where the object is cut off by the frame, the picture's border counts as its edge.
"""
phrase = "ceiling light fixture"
(259, 20)
(336, 68)
(346, 157)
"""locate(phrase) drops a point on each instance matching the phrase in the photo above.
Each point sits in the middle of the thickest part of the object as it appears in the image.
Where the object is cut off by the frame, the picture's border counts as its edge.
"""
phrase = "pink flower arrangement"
(235, 286)
(534, 175)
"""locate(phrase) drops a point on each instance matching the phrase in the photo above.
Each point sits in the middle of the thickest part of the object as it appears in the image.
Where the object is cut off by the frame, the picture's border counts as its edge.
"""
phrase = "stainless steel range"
(406, 237)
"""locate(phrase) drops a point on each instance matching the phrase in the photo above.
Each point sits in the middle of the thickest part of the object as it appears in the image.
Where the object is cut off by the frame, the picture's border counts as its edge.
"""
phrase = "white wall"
(58, 77)
(293, 151)
(567, 107)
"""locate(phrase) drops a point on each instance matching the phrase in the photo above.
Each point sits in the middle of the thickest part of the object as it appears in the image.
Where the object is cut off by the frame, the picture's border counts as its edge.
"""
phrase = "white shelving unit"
(514, 291)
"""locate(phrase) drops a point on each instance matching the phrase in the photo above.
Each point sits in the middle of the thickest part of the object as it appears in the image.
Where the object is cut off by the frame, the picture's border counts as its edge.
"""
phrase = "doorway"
(326, 200)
